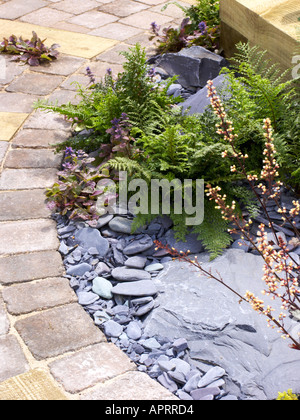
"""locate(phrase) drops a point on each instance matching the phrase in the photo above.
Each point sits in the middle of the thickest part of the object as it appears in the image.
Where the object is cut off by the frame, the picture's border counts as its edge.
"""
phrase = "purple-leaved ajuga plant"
(77, 190)
(30, 51)
(121, 142)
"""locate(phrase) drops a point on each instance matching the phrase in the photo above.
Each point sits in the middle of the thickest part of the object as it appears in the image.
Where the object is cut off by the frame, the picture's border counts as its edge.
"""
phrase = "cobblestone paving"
(42, 327)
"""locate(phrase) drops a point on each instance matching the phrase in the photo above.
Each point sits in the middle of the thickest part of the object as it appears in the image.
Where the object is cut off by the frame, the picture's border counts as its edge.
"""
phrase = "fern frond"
(213, 232)
(247, 198)
(257, 60)
(132, 167)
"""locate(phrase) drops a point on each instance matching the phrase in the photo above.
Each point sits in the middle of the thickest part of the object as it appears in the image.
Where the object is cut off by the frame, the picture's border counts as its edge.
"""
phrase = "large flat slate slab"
(222, 331)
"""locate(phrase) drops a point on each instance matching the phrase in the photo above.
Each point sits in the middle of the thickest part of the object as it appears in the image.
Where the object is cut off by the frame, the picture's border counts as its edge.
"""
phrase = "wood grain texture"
(271, 24)
(35, 385)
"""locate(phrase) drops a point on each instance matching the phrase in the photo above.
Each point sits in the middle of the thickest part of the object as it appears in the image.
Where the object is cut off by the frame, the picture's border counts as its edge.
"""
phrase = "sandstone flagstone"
(75, 44)
(10, 122)
(36, 385)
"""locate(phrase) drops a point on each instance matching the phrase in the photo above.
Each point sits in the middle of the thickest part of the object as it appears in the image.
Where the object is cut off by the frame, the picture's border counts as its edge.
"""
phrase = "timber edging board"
(272, 25)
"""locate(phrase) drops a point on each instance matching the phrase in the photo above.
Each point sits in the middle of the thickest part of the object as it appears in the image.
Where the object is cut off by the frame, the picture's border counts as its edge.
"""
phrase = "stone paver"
(75, 7)
(27, 236)
(47, 340)
(16, 102)
(116, 31)
(3, 149)
(11, 70)
(71, 83)
(23, 179)
(63, 66)
(144, 19)
(57, 331)
(130, 386)
(46, 16)
(4, 321)
(172, 10)
(30, 266)
(63, 96)
(36, 84)
(13, 361)
(23, 204)
(39, 295)
(90, 366)
(32, 158)
(46, 121)
(39, 138)
(16, 8)
(93, 19)
(113, 55)
(122, 8)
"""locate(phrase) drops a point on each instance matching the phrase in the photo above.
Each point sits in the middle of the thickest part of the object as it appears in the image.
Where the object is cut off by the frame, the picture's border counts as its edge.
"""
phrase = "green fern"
(148, 118)
(132, 167)
(257, 60)
(261, 91)
(213, 232)
(245, 197)
(264, 81)
(168, 151)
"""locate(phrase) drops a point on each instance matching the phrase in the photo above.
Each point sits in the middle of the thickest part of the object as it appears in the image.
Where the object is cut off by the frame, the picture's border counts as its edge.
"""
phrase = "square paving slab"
(75, 44)
(10, 122)
(59, 330)
(34, 385)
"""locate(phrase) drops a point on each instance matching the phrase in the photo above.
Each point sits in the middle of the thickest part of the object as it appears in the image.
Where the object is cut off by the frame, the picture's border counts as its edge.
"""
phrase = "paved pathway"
(49, 346)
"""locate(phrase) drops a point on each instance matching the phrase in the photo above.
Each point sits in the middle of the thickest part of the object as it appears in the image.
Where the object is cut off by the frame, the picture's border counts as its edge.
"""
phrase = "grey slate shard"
(136, 288)
(194, 65)
(89, 237)
(129, 274)
(198, 103)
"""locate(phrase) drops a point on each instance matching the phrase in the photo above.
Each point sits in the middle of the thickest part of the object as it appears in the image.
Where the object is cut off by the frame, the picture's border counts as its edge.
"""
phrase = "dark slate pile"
(194, 67)
(112, 273)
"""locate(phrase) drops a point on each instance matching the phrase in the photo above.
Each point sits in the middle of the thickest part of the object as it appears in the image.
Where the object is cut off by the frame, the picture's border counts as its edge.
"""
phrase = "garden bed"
(199, 337)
